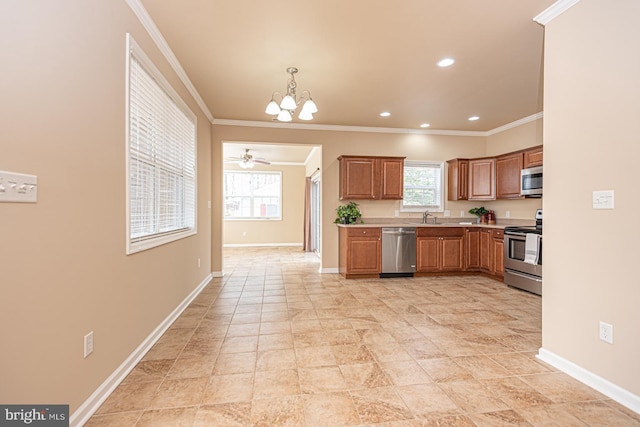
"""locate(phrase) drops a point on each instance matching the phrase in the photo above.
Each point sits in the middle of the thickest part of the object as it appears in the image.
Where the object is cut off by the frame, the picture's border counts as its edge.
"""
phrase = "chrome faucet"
(425, 216)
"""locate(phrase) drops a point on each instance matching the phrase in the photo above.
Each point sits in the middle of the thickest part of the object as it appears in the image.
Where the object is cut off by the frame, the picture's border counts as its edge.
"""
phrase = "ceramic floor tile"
(310, 357)
(130, 397)
(235, 363)
(276, 383)
(286, 412)
(322, 380)
(379, 405)
(174, 393)
(119, 419)
(276, 360)
(406, 372)
(365, 375)
(229, 388)
(228, 415)
(427, 400)
(330, 409)
(175, 417)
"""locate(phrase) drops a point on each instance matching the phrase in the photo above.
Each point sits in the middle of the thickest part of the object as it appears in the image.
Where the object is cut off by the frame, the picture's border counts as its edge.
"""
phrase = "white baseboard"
(91, 405)
(259, 245)
(329, 271)
(594, 381)
(217, 274)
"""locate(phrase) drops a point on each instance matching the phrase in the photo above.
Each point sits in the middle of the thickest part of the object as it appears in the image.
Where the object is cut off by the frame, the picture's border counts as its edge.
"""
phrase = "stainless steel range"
(523, 256)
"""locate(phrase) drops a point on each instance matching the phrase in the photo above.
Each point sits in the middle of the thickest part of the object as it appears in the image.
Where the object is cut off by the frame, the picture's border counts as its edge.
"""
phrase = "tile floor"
(275, 343)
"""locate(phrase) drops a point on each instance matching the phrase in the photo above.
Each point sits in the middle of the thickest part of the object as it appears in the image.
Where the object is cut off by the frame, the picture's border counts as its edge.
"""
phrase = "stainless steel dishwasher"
(398, 251)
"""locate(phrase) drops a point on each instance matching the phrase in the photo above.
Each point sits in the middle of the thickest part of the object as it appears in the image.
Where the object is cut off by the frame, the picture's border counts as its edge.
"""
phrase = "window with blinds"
(423, 183)
(161, 158)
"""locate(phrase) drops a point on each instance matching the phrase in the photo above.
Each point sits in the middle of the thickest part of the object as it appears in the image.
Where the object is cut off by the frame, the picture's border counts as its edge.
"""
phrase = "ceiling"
(278, 154)
(361, 57)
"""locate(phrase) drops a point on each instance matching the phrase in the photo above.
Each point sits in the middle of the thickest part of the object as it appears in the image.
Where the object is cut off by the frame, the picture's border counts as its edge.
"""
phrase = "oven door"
(514, 251)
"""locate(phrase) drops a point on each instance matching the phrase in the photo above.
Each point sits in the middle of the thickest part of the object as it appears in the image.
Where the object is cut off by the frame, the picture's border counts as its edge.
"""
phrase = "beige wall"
(413, 146)
(591, 108)
(288, 230)
(63, 268)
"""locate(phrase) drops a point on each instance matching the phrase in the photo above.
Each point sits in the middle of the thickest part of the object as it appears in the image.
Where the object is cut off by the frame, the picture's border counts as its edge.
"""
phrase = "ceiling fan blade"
(262, 161)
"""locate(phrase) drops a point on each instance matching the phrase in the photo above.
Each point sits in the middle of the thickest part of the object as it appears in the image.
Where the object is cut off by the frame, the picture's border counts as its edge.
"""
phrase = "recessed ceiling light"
(425, 125)
(385, 114)
(473, 118)
(445, 62)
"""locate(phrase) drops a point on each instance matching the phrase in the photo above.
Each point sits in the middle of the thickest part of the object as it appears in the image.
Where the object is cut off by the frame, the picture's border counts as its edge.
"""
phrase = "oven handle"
(525, 276)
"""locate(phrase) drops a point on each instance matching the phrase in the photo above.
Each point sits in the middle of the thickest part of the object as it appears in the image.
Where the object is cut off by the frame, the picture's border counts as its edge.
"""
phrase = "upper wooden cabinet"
(533, 157)
(508, 169)
(366, 177)
(458, 179)
(482, 179)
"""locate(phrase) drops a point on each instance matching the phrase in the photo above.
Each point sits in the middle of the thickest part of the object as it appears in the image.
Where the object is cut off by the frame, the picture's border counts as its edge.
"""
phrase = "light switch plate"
(18, 187)
(603, 199)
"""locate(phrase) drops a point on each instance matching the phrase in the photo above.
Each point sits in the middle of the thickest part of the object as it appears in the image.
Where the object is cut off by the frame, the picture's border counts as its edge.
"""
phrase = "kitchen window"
(252, 195)
(161, 157)
(423, 182)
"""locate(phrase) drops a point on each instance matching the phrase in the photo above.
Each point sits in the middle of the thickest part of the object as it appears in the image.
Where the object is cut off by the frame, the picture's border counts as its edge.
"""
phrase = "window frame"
(158, 238)
(422, 208)
(253, 218)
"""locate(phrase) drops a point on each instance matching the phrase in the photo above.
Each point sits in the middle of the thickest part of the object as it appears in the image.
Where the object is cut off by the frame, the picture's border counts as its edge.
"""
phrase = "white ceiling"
(287, 154)
(361, 57)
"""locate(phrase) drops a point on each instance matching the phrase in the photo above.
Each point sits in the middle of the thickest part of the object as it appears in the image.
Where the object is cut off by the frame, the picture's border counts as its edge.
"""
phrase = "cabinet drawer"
(439, 232)
(364, 232)
(498, 234)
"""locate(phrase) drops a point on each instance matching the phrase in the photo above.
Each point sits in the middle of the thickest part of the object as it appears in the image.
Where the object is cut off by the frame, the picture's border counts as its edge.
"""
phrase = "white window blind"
(423, 183)
(161, 169)
(252, 195)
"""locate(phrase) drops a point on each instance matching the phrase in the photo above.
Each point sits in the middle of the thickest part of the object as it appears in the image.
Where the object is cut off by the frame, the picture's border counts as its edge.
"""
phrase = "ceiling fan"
(247, 161)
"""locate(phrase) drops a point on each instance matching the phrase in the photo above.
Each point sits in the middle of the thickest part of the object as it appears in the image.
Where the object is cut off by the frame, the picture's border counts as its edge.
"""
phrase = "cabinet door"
(364, 256)
(533, 157)
(427, 254)
(485, 249)
(508, 176)
(452, 253)
(392, 171)
(458, 179)
(498, 252)
(472, 260)
(482, 179)
(357, 178)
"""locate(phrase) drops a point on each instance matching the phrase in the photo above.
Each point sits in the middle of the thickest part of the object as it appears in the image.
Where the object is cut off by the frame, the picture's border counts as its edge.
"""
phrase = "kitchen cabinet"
(360, 252)
(508, 169)
(458, 179)
(439, 249)
(533, 157)
(482, 179)
(485, 249)
(372, 178)
(497, 254)
(472, 248)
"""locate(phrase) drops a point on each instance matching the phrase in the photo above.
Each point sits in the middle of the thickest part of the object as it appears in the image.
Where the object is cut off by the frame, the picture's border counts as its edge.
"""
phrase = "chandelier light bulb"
(272, 108)
(310, 106)
(288, 103)
(284, 116)
(305, 115)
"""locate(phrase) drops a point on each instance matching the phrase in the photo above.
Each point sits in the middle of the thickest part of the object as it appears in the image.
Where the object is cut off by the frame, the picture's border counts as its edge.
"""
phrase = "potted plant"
(480, 212)
(348, 214)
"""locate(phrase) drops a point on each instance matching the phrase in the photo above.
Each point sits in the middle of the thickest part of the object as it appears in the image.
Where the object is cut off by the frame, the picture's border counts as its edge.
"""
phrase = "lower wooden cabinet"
(497, 241)
(439, 249)
(360, 252)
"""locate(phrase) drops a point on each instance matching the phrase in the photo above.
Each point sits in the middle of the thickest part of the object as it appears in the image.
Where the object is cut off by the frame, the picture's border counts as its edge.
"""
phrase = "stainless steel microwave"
(531, 182)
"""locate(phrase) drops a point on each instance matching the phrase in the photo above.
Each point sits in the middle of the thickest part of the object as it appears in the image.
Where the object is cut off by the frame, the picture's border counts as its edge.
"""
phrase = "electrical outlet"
(397, 212)
(198, 262)
(507, 214)
(461, 214)
(88, 344)
(447, 213)
(606, 332)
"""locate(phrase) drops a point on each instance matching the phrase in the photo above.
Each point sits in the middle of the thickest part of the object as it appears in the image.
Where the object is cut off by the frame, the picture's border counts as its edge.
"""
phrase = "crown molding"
(342, 128)
(553, 11)
(146, 21)
(517, 123)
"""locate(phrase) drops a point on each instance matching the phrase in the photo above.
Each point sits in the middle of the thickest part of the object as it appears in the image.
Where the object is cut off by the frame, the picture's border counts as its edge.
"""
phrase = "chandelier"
(288, 103)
